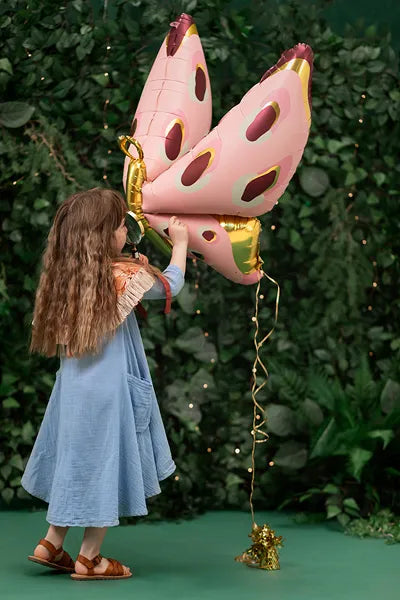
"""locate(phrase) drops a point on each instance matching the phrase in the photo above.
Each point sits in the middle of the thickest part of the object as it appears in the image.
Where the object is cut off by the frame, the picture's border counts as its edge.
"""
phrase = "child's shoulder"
(124, 272)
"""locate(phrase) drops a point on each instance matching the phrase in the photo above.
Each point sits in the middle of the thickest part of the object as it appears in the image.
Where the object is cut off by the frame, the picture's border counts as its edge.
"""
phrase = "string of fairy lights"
(106, 102)
(350, 195)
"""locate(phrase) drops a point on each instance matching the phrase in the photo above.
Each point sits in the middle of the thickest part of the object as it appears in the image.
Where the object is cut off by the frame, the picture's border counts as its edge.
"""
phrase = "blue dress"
(101, 449)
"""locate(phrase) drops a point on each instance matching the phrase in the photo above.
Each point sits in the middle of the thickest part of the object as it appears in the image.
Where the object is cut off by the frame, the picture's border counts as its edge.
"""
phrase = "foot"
(99, 569)
(42, 552)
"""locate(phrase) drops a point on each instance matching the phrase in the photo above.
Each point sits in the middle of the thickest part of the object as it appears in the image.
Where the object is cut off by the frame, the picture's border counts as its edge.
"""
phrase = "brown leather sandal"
(115, 569)
(65, 564)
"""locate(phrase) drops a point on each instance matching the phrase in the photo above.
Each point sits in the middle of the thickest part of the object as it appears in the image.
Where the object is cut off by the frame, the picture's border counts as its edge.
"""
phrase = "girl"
(101, 449)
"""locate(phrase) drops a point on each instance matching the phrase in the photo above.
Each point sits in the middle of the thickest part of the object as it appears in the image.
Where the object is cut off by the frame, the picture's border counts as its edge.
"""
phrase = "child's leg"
(91, 544)
(56, 536)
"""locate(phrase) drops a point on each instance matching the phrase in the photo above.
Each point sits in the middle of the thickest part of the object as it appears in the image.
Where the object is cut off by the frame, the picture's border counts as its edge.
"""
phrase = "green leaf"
(332, 510)
(385, 434)
(194, 342)
(312, 412)
(325, 442)
(390, 397)
(101, 79)
(292, 455)
(343, 519)
(10, 403)
(186, 299)
(329, 488)
(16, 461)
(351, 503)
(7, 494)
(280, 419)
(380, 178)
(5, 471)
(5, 65)
(358, 459)
(314, 181)
(15, 114)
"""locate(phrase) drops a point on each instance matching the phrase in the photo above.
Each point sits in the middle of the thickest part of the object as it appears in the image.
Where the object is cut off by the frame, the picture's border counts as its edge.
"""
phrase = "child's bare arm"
(178, 232)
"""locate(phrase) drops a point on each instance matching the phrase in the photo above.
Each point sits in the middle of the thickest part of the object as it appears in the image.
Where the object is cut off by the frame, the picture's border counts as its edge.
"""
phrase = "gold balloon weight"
(263, 552)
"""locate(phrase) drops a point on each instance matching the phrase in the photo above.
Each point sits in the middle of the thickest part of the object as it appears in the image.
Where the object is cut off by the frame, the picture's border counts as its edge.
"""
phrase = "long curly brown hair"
(76, 299)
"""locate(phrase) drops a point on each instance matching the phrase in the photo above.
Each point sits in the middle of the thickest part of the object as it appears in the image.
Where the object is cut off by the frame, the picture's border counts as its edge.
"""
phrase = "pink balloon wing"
(229, 245)
(174, 110)
(245, 163)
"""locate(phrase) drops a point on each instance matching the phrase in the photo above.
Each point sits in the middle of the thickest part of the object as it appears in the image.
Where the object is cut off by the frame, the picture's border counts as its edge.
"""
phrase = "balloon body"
(219, 182)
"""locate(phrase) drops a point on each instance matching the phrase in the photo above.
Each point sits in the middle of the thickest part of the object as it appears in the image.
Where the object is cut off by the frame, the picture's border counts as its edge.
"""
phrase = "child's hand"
(178, 231)
(143, 259)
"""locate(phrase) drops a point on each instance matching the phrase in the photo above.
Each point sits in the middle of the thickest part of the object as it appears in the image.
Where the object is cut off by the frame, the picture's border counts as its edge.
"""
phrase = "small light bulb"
(273, 227)
(360, 121)
(109, 151)
(271, 463)
(370, 353)
(356, 217)
(364, 242)
(107, 101)
(176, 477)
(206, 334)
(105, 74)
(42, 78)
(375, 284)
(205, 385)
(196, 285)
(209, 450)
(258, 417)
(108, 47)
(237, 450)
(350, 195)
(356, 145)
(14, 183)
(369, 307)
(363, 96)
(212, 360)
(261, 296)
(253, 318)
(105, 126)
(104, 176)
(198, 311)
(190, 405)
(250, 470)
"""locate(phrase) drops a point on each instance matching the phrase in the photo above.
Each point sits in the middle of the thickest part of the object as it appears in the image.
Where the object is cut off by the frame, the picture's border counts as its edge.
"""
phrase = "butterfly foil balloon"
(217, 182)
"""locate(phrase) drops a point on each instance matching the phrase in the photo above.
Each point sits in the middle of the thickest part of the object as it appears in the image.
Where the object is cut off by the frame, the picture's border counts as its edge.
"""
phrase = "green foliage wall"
(332, 398)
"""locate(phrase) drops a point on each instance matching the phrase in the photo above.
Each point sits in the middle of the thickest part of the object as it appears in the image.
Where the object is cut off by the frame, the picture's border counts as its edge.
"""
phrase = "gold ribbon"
(263, 552)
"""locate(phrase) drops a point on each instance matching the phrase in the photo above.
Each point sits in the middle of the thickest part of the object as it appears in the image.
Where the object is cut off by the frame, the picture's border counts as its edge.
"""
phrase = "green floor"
(194, 560)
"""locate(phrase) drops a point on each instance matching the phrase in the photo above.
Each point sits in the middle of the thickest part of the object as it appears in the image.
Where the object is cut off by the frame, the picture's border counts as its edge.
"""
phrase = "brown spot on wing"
(200, 83)
(196, 168)
(173, 141)
(260, 184)
(209, 235)
(262, 122)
